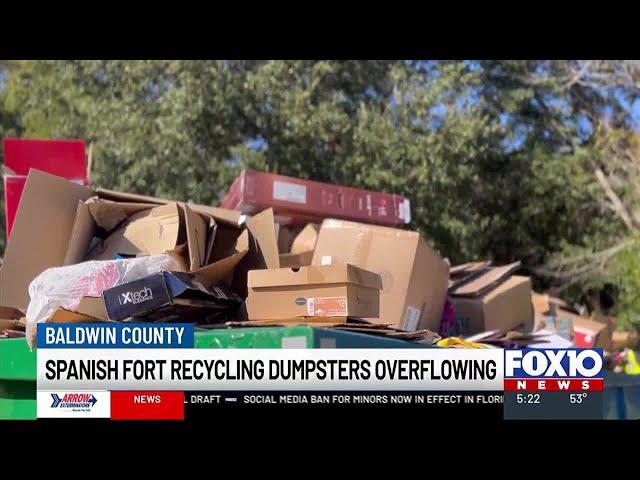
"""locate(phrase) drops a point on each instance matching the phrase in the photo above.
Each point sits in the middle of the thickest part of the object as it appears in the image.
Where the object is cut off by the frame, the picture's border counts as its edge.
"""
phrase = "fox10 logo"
(554, 370)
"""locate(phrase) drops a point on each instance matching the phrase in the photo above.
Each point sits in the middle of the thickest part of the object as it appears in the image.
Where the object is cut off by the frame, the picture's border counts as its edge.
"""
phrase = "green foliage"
(626, 273)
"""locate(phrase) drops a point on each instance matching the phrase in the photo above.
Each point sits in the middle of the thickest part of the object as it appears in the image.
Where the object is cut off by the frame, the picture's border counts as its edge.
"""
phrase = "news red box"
(295, 200)
(64, 158)
(147, 405)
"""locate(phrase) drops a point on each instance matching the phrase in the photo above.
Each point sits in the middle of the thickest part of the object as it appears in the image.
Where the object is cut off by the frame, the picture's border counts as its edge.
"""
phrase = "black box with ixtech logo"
(168, 296)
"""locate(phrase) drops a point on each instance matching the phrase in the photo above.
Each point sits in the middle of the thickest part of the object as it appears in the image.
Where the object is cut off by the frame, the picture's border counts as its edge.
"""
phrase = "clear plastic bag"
(65, 286)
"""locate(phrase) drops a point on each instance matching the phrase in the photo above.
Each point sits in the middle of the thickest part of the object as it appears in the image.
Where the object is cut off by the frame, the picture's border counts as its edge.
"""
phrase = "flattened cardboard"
(466, 268)
(414, 276)
(486, 281)
(320, 291)
(40, 235)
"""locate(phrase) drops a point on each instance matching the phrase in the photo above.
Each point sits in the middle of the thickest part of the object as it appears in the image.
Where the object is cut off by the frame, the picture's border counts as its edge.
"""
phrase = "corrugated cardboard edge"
(231, 217)
(314, 275)
(196, 237)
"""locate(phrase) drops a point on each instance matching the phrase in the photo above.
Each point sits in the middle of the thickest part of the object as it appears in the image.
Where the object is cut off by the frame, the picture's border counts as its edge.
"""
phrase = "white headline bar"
(270, 369)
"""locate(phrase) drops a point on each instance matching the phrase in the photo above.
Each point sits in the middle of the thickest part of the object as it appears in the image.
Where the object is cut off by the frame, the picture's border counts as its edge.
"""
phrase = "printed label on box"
(325, 260)
(411, 319)
(405, 211)
(289, 192)
(327, 307)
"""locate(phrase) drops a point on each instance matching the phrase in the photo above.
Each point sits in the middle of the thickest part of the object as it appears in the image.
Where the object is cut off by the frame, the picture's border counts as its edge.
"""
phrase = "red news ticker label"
(147, 405)
(554, 385)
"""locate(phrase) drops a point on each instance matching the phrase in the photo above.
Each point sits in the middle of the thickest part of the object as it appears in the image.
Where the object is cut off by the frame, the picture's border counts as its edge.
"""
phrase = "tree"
(498, 158)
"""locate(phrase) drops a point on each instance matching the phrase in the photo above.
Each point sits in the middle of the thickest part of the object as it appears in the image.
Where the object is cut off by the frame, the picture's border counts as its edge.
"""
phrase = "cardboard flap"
(486, 281)
(212, 230)
(108, 214)
(82, 233)
(306, 240)
(225, 242)
(314, 275)
(40, 234)
(150, 232)
(129, 197)
(224, 215)
(220, 270)
(263, 245)
(196, 237)
(231, 217)
(465, 268)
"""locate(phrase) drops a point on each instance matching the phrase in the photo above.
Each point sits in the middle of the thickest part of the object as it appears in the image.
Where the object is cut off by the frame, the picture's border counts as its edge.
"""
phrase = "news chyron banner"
(134, 371)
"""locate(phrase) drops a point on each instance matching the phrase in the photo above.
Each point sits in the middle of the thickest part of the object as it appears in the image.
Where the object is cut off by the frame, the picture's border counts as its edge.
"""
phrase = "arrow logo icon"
(56, 400)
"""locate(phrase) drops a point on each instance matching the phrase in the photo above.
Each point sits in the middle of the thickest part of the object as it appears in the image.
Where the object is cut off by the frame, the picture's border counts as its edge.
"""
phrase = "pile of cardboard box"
(287, 251)
(271, 267)
(586, 332)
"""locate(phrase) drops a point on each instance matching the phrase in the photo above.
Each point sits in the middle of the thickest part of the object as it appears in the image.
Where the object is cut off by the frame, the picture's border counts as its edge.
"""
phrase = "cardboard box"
(414, 277)
(494, 300)
(167, 294)
(54, 227)
(588, 333)
(315, 291)
(300, 201)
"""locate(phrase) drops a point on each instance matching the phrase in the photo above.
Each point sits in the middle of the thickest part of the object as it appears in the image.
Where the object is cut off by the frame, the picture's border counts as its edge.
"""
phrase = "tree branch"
(617, 204)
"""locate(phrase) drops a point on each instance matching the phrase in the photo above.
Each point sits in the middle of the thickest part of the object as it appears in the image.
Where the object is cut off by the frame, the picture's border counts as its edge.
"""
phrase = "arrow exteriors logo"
(74, 401)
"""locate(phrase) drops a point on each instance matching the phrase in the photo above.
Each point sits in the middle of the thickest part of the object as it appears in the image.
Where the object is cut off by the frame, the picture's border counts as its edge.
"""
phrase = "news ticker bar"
(178, 405)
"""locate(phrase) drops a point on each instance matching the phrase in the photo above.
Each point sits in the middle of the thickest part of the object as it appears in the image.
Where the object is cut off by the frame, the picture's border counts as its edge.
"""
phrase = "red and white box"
(297, 201)
(64, 158)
